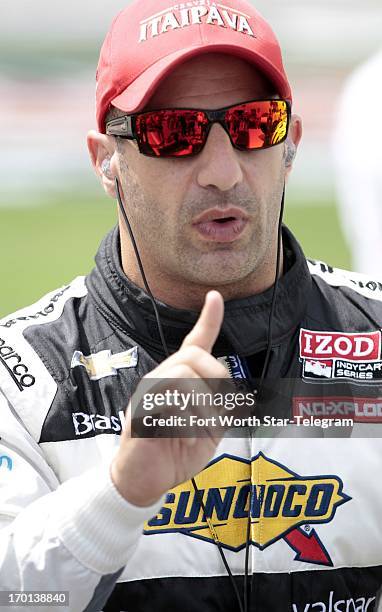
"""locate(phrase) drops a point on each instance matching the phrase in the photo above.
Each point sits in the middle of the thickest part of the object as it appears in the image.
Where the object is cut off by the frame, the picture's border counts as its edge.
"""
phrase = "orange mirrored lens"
(180, 133)
(258, 124)
(172, 133)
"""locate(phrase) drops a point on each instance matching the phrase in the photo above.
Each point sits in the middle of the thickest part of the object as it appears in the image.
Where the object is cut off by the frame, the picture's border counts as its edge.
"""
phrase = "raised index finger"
(206, 329)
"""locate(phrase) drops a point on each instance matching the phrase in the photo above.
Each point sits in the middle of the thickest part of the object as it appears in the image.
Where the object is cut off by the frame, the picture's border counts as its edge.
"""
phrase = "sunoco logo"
(281, 502)
(15, 367)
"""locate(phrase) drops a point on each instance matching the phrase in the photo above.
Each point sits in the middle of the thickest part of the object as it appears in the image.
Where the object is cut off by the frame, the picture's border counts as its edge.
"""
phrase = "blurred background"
(52, 210)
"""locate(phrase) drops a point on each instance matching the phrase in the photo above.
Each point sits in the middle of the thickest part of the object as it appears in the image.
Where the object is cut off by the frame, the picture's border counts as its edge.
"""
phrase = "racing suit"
(68, 367)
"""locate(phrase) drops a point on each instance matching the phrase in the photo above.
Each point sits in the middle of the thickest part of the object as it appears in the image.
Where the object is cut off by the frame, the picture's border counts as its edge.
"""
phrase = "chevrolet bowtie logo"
(103, 364)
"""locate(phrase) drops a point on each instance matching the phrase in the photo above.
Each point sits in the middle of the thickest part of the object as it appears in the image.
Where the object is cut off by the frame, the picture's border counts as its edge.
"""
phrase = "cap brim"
(139, 92)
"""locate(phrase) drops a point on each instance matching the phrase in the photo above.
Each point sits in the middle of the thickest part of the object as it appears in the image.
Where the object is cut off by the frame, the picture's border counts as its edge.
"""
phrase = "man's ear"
(103, 156)
(292, 142)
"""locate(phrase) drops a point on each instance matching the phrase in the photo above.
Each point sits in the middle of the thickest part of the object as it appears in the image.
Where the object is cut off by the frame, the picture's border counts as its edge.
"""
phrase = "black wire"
(122, 209)
(247, 541)
(197, 491)
(263, 374)
(273, 303)
(262, 377)
(218, 544)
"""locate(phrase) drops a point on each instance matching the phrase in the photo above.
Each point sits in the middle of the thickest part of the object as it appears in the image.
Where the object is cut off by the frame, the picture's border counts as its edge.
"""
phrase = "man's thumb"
(207, 327)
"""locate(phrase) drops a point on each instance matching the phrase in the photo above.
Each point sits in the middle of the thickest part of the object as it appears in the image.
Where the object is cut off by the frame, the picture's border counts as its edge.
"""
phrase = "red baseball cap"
(150, 38)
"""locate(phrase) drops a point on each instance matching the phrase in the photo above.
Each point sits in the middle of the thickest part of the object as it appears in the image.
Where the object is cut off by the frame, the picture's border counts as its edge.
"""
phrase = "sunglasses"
(182, 132)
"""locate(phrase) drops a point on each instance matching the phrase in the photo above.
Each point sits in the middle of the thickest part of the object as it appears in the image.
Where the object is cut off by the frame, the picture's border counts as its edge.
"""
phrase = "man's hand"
(144, 469)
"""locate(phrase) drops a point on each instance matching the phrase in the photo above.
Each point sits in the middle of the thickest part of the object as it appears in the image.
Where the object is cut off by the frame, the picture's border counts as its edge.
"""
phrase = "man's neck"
(178, 293)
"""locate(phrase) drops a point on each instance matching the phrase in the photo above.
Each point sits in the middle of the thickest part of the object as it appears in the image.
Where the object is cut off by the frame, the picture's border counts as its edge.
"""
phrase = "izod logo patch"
(282, 502)
(339, 355)
(325, 345)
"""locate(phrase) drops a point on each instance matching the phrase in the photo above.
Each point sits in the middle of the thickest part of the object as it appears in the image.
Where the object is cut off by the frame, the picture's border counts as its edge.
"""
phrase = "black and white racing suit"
(68, 365)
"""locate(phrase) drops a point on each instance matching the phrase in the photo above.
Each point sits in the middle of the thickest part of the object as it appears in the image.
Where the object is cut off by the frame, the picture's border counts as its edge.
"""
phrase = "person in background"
(358, 165)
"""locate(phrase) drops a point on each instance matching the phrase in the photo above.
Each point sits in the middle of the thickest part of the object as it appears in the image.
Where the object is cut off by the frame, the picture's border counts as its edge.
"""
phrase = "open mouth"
(221, 226)
(224, 220)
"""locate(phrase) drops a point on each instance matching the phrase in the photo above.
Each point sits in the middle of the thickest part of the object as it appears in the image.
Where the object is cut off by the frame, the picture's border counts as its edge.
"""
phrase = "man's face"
(166, 198)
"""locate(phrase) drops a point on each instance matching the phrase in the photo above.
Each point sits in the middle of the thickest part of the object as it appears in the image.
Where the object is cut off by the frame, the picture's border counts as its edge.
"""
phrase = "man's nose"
(218, 162)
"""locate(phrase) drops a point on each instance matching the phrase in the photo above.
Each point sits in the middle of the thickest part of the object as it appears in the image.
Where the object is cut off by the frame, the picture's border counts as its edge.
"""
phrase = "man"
(249, 523)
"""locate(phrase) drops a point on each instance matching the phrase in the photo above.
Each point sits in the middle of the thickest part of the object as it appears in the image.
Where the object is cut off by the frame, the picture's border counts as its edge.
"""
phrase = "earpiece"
(105, 167)
(290, 153)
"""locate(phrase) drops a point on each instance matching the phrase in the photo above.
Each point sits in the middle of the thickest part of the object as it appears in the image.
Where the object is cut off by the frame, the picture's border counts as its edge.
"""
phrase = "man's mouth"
(221, 225)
